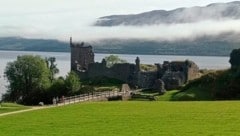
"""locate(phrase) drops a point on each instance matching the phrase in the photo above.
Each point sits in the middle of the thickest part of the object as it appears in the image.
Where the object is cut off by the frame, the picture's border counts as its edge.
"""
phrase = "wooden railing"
(95, 96)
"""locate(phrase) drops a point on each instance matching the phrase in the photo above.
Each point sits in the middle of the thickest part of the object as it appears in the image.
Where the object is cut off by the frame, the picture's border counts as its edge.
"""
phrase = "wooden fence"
(95, 96)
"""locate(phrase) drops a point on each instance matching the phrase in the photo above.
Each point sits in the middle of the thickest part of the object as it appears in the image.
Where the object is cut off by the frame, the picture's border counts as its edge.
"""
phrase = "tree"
(72, 83)
(57, 89)
(113, 59)
(235, 59)
(52, 67)
(28, 78)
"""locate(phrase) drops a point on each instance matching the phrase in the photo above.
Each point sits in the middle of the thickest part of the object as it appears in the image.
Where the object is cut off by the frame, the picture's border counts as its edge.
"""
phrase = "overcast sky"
(59, 19)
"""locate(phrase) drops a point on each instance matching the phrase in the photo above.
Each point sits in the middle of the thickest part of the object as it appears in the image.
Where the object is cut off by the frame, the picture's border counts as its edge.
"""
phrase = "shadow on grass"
(193, 94)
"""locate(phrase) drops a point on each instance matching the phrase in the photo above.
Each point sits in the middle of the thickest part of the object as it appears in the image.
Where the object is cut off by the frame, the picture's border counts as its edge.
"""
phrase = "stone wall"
(124, 72)
(193, 71)
(174, 80)
(98, 70)
(147, 79)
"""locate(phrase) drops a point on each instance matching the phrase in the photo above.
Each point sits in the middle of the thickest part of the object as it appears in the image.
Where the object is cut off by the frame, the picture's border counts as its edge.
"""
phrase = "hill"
(127, 119)
(220, 45)
(215, 11)
(23, 44)
(218, 85)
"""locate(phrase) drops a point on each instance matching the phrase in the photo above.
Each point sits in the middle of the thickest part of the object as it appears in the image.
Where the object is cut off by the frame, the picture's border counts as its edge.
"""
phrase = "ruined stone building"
(173, 74)
(81, 56)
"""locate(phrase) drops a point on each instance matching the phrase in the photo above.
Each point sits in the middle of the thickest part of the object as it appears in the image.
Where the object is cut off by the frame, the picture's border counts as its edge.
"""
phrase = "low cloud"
(155, 32)
(159, 32)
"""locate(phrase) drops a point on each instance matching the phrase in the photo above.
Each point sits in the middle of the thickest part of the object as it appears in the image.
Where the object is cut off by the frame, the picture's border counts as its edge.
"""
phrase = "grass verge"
(10, 107)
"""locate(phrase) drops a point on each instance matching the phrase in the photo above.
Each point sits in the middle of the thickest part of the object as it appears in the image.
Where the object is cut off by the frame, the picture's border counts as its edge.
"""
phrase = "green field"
(9, 107)
(127, 119)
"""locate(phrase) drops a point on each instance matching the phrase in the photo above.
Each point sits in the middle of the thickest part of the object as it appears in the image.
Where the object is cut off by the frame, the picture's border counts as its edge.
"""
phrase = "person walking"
(54, 101)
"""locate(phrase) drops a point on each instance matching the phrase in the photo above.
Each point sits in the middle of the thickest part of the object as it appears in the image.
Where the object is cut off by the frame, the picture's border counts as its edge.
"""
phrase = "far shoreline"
(114, 53)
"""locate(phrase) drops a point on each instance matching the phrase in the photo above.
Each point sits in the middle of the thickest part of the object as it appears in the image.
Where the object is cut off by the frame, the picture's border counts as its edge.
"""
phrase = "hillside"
(215, 11)
(220, 45)
(219, 85)
(23, 44)
(209, 46)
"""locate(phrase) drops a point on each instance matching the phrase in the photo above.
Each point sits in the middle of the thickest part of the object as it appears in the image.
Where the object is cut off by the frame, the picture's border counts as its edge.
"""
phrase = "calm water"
(63, 61)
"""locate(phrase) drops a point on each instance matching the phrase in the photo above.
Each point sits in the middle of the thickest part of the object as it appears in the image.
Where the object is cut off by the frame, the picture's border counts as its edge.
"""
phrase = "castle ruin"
(173, 74)
(81, 56)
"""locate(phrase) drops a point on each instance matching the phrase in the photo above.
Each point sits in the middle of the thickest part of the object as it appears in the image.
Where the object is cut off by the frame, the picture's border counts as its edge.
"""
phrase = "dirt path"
(36, 108)
(26, 110)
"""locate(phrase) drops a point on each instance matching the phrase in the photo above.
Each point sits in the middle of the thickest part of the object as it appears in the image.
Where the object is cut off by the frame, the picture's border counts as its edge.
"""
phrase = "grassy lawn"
(128, 119)
(168, 96)
(9, 107)
(192, 94)
(172, 95)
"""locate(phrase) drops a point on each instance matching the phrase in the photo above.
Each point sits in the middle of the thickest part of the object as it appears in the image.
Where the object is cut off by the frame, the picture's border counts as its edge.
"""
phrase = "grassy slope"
(9, 107)
(218, 85)
(127, 119)
(192, 94)
(168, 96)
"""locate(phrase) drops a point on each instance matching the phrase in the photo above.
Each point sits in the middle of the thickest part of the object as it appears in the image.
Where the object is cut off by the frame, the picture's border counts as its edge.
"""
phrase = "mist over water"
(159, 32)
(77, 19)
(63, 61)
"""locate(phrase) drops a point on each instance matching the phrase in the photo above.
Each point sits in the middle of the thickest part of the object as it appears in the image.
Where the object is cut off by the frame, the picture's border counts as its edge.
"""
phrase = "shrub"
(87, 89)
(234, 59)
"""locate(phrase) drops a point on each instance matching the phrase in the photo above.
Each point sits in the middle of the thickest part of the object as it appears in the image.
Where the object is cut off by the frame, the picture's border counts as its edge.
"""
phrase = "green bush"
(113, 59)
(146, 67)
(87, 89)
(72, 83)
(234, 59)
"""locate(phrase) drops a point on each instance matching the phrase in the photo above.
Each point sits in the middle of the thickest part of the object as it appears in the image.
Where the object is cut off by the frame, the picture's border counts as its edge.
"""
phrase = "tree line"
(32, 79)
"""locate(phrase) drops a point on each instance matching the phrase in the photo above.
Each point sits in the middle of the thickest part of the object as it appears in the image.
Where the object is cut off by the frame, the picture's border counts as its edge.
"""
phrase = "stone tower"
(137, 61)
(81, 56)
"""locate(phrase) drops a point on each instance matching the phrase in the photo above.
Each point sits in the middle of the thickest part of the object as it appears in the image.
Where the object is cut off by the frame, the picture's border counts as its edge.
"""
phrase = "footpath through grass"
(127, 119)
(10, 107)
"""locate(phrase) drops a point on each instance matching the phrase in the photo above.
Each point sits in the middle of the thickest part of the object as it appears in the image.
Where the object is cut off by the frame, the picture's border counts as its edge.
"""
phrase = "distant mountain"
(216, 11)
(22, 44)
(220, 45)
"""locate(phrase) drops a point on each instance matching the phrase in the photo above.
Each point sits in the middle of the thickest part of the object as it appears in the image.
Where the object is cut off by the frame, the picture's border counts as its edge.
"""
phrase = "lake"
(63, 61)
